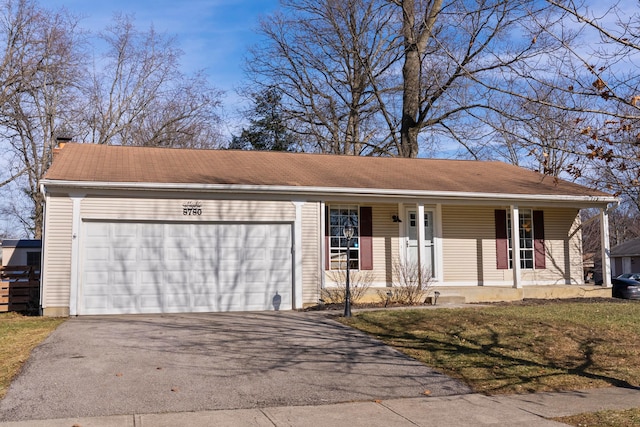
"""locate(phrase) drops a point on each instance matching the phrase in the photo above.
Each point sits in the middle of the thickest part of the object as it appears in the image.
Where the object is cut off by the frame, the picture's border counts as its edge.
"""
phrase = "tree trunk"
(38, 215)
(415, 44)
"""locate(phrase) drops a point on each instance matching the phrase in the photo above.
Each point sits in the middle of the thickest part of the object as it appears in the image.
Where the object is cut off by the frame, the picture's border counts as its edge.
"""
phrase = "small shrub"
(411, 284)
(359, 282)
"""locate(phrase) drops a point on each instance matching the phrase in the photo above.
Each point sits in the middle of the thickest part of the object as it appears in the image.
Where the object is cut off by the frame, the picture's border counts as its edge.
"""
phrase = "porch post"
(515, 245)
(421, 237)
(437, 244)
(323, 248)
(297, 257)
(604, 245)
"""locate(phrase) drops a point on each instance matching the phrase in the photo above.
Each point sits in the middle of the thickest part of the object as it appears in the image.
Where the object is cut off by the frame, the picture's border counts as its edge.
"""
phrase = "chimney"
(60, 143)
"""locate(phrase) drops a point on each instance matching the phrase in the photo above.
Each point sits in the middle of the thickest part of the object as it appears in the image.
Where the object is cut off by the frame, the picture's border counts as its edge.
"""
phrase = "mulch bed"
(524, 302)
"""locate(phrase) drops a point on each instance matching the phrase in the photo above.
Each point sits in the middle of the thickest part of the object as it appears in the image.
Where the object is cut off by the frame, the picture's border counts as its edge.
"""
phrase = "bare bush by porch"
(359, 283)
(411, 284)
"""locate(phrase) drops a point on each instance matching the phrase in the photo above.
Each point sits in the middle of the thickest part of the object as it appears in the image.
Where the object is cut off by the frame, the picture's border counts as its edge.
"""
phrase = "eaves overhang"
(324, 192)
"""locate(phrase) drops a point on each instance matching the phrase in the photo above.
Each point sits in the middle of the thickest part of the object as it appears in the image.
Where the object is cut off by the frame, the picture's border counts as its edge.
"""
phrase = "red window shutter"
(327, 239)
(538, 240)
(502, 242)
(366, 238)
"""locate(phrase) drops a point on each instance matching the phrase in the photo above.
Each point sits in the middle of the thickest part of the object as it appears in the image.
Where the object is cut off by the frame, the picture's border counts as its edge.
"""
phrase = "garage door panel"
(98, 229)
(125, 229)
(151, 277)
(152, 231)
(96, 277)
(205, 301)
(99, 304)
(124, 277)
(125, 254)
(255, 254)
(122, 302)
(149, 253)
(229, 258)
(256, 279)
(100, 254)
(172, 267)
(177, 300)
(179, 230)
(280, 255)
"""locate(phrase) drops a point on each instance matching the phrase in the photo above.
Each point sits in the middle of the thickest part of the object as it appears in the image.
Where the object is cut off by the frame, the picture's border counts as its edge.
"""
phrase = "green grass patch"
(18, 336)
(519, 348)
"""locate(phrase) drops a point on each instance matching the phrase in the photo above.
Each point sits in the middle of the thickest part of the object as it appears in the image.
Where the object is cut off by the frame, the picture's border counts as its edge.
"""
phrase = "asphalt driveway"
(95, 366)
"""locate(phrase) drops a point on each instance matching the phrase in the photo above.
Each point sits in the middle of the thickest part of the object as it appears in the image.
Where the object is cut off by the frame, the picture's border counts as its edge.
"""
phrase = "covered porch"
(474, 251)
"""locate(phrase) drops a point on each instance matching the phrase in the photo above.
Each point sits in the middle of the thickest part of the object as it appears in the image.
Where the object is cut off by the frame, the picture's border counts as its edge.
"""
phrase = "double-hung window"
(531, 239)
(339, 216)
(525, 225)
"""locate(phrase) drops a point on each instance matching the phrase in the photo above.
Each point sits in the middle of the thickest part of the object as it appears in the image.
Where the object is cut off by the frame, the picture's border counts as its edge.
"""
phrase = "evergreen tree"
(267, 130)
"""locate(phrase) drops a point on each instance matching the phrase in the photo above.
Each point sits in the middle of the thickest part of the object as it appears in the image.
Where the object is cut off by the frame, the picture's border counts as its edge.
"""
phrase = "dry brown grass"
(628, 418)
(18, 336)
(520, 348)
(527, 347)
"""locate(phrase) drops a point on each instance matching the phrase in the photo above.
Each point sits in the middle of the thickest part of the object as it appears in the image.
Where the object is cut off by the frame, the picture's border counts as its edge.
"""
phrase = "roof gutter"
(283, 189)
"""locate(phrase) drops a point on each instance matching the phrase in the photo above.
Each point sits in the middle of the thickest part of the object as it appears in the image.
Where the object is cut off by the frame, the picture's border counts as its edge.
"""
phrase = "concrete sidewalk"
(463, 410)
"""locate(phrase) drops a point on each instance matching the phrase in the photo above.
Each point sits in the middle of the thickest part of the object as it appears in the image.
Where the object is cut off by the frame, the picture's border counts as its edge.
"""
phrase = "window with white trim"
(525, 225)
(339, 215)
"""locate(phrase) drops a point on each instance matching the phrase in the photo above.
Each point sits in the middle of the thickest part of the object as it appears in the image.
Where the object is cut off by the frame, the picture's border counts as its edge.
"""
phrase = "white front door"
(412, 238)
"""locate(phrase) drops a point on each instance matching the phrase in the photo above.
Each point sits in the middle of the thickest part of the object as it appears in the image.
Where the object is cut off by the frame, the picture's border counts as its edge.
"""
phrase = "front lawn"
(515, 348)
(18, 336)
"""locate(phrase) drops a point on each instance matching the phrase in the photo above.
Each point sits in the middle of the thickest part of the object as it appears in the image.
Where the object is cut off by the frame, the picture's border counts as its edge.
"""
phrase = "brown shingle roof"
(118, 164)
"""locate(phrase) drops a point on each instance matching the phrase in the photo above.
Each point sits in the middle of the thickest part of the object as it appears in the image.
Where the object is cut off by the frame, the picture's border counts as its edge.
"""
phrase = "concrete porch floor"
(479, 294)
(472, 294)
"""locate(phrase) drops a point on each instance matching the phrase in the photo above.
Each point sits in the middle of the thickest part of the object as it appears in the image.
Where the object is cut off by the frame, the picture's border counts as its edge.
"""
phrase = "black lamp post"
(348, 233)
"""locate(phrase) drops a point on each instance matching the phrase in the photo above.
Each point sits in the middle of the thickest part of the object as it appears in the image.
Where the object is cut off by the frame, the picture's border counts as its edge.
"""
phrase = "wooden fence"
(19, 288)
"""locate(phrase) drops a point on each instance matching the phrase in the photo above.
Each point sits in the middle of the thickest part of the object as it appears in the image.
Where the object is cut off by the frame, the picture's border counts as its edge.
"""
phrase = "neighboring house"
(21, 252)
(154, 230)
(625, 258)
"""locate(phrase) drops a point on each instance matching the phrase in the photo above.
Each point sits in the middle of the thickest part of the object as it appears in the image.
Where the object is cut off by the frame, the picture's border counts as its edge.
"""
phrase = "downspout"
(43, 252)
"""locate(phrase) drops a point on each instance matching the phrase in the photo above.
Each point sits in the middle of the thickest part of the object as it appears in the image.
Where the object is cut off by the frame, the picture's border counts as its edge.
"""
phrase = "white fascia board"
(327, 191)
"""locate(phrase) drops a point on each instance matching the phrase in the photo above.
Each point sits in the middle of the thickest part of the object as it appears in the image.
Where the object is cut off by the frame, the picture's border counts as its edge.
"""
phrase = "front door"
(412, 238)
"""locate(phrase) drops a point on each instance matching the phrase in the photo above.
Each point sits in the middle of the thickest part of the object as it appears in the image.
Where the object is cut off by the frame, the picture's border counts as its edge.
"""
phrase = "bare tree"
(530, 133)
(457, 55)
(380, 77)
(595, 86)
(135, 94)
(40, 69)
(139, 96)
(332, 61)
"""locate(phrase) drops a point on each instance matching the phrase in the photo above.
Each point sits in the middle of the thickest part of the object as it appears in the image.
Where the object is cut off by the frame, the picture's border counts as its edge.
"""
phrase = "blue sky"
(213, 34)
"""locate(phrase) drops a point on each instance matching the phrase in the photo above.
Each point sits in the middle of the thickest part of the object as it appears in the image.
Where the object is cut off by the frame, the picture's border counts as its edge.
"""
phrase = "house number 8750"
(191, 211)
(192, 208)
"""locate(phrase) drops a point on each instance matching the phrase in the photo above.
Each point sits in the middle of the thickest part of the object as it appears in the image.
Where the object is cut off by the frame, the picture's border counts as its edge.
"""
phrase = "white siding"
(311, 256)
(469, 247)
(57, 252)
(171, 209)
(385, 242)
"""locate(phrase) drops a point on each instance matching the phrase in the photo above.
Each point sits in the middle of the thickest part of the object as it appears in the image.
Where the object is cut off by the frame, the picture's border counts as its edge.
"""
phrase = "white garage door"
(132, 267)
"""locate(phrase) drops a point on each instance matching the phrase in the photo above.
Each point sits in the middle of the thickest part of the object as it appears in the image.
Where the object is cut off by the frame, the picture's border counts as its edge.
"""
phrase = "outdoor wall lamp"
(348, 233)
(396, 218)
